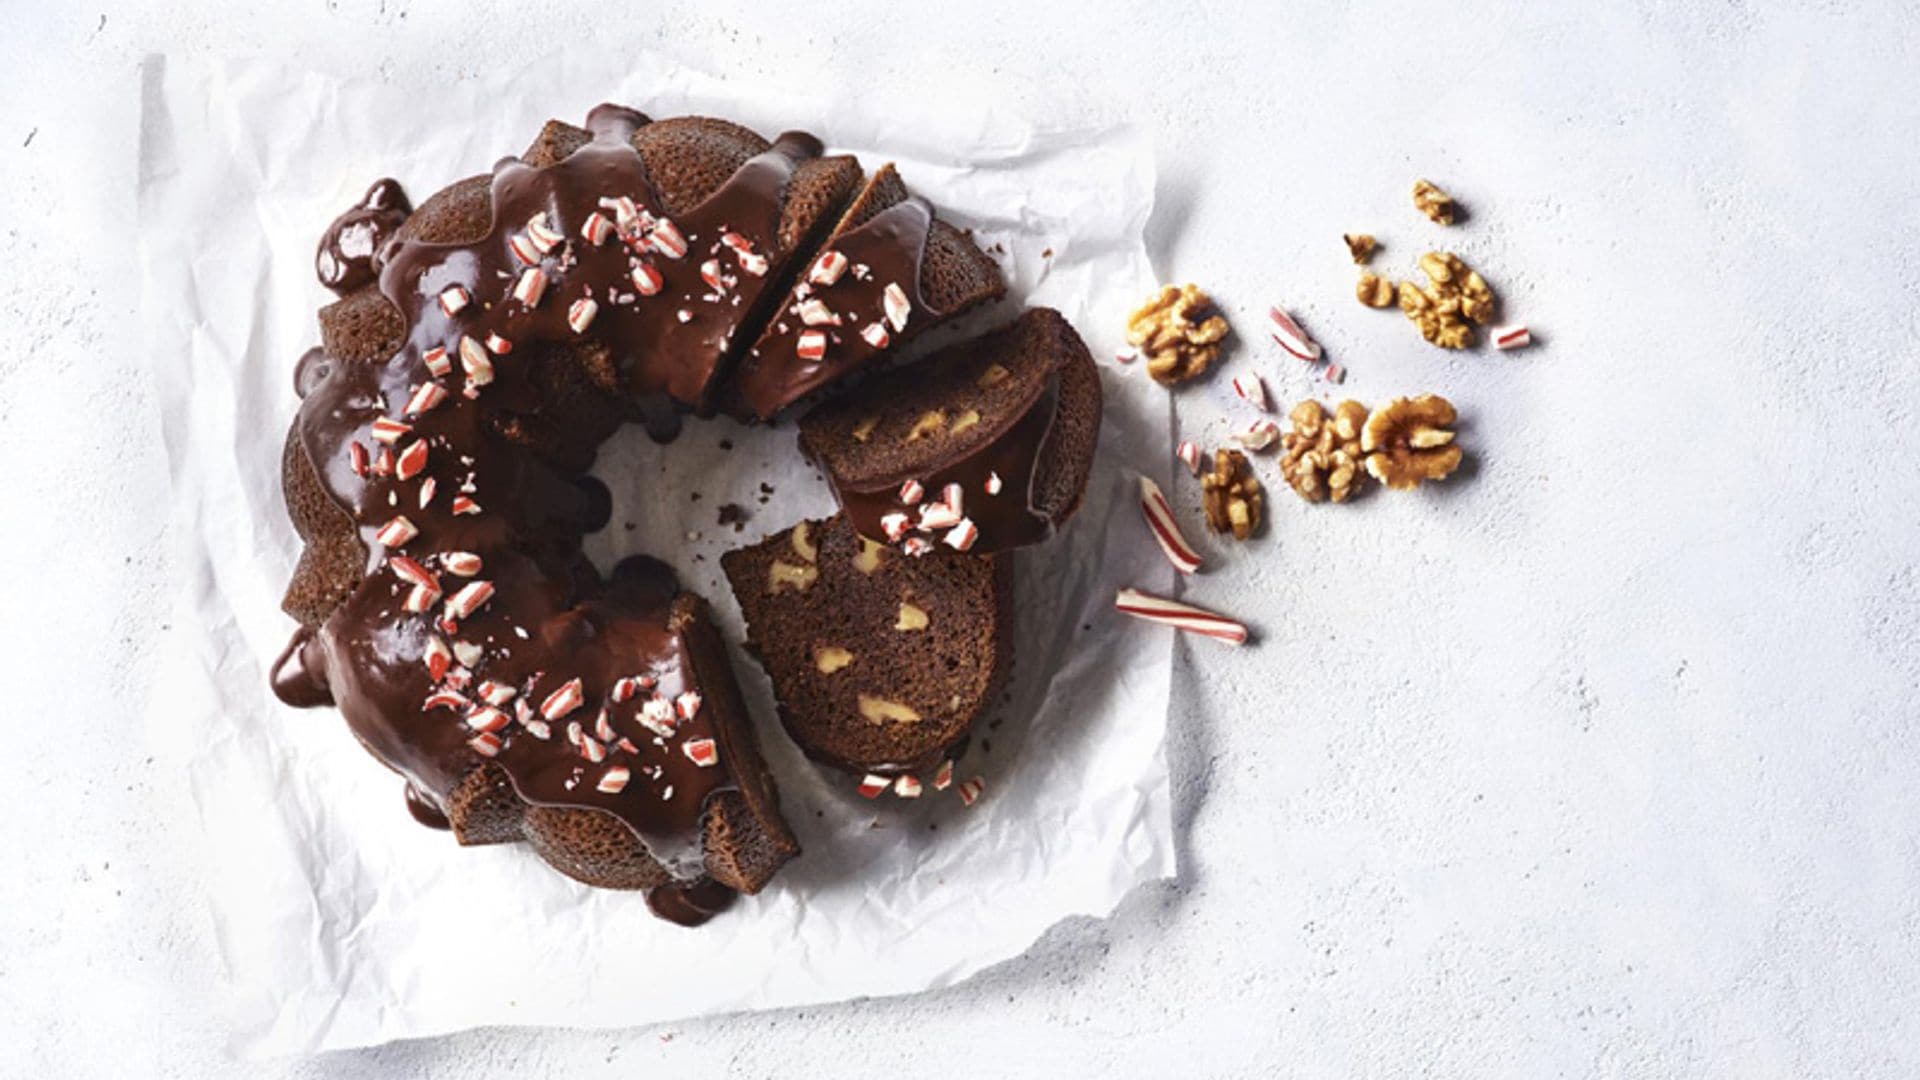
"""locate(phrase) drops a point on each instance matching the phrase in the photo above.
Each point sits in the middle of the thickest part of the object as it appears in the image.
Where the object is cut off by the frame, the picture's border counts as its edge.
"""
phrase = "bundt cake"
(481, 349)
(890, 271)
(880, 661)
(984, 446)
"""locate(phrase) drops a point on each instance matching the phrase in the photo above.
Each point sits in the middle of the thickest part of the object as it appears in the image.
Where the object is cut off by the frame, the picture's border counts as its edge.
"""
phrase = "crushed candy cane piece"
(1165, 529)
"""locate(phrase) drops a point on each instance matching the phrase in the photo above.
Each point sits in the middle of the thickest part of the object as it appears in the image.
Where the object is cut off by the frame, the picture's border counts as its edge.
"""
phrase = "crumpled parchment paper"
(341, 921)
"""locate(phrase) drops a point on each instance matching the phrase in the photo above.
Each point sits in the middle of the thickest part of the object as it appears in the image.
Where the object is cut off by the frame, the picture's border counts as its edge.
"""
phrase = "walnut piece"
(1455, 298)
(1232, 495)
(929, 423)
(864, 429)
(786, 575)
(1323, 458)
(1361, 246)
(993, 376)
(967, 419)
(802, 541)
(1178, 332)
(880, 710)
(911, 618)
(1431, 201)
(1374, 290)
(868, 558)
(1408, 441)
(831, 658)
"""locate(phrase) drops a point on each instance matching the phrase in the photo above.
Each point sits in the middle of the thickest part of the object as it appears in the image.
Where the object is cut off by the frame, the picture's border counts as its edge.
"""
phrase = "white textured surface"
(1598, 762)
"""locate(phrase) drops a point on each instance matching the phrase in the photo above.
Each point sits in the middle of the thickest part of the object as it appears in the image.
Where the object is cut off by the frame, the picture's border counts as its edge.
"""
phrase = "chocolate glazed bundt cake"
(482, 348)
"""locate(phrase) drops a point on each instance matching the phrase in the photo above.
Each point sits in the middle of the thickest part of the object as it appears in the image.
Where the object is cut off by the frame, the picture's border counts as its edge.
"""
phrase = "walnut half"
(1178, 332)
(1455, 298)
(1322, 457)
(1232, 495)
(1408, 441)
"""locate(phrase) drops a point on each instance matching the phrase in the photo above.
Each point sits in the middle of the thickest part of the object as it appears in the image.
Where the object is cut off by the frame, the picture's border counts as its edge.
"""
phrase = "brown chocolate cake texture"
(482, 348)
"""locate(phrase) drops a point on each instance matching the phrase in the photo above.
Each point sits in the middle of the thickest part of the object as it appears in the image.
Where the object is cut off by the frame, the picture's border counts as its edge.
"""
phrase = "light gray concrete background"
(1598, 762)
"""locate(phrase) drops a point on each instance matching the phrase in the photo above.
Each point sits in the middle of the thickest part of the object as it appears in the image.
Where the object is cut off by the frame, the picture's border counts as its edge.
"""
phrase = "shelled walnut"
(1322, 457)
(1374, 290)
(1408, 441)
(1431, 201)
(1178, 332)
(1361, 246)
(1455, 298)
(1232, 495)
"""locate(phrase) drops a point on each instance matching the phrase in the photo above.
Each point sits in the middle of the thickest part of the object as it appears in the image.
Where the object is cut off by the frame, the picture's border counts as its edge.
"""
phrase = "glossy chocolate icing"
(447, 507)
(1006, 519)
(886, 249)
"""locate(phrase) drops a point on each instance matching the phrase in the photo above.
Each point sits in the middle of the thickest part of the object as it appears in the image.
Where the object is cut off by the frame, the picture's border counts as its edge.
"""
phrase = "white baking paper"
(342, 922)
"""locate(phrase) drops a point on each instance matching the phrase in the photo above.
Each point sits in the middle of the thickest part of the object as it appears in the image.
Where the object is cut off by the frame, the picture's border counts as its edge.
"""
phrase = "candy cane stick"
(1160, 521)
(1180, 616)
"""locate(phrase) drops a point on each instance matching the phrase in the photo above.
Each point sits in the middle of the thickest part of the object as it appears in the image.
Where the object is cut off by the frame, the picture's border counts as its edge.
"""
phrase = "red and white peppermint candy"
(496, 693)
(1189, 454)
(524, 248)
(1127, 355)
(894, 299)
(875, 334)
(683, 315)
(624, 688)
(390, 431)
(383, 464)
(1166, 529)
(486, 744)
(1336, 373)
(569, 697)
(596, 228)
(907, 786)
(912, 492)
(827, 268)
(580, 314)
(531, 286)
(462, 563)
(425, 398)
(1258, 435)
(445, 699)
(687, 705)
(498, 345)
(538, 729)
(357, 459)
(943, 776)
(453, 298)
(972, 789)
(488, 718)
(1251, 390)
(647, 279)
(411, 460)
(993, 484)
(464, 507)
(413, 573)
(735, 242)
(916, 546)
(935, 516)
(814, 312)
(896, 525)
(420, 599)
(702, 752)
(544, 236)
(667, 239)
(439, 660)
(963, 536)
(1180, 616)
(469, 653)
(811, 345)
(753, 263)
(427, 488)
(710, 273)
(593, 749)
(625, 210)
(475, 361)
(954, 496)
(1512, 337)
(396, 533)
(873, 785)
(603, 726)
(614, 780)
(656, 715)
(437, 360)
(471, 598)
(1291, 337)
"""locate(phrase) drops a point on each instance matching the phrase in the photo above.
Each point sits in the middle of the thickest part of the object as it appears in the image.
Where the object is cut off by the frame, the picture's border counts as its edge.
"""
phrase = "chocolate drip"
(350, 248)
(691, 904)
(886, 249)
(581, 691)
(1006, 519)
(424, 811)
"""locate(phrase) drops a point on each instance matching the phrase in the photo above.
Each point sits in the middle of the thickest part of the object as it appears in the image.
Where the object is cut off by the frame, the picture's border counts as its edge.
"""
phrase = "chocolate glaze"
(1007, 519)
(886, 249)
(477, 497)
(345, 259)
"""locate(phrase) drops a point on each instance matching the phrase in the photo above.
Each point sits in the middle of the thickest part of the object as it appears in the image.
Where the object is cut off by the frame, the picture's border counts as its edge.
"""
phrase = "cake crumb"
(733, 514)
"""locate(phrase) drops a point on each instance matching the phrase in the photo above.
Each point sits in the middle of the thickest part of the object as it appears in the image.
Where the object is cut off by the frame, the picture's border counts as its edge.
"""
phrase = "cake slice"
(880, 662)
(986, 445)
(891, 271)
